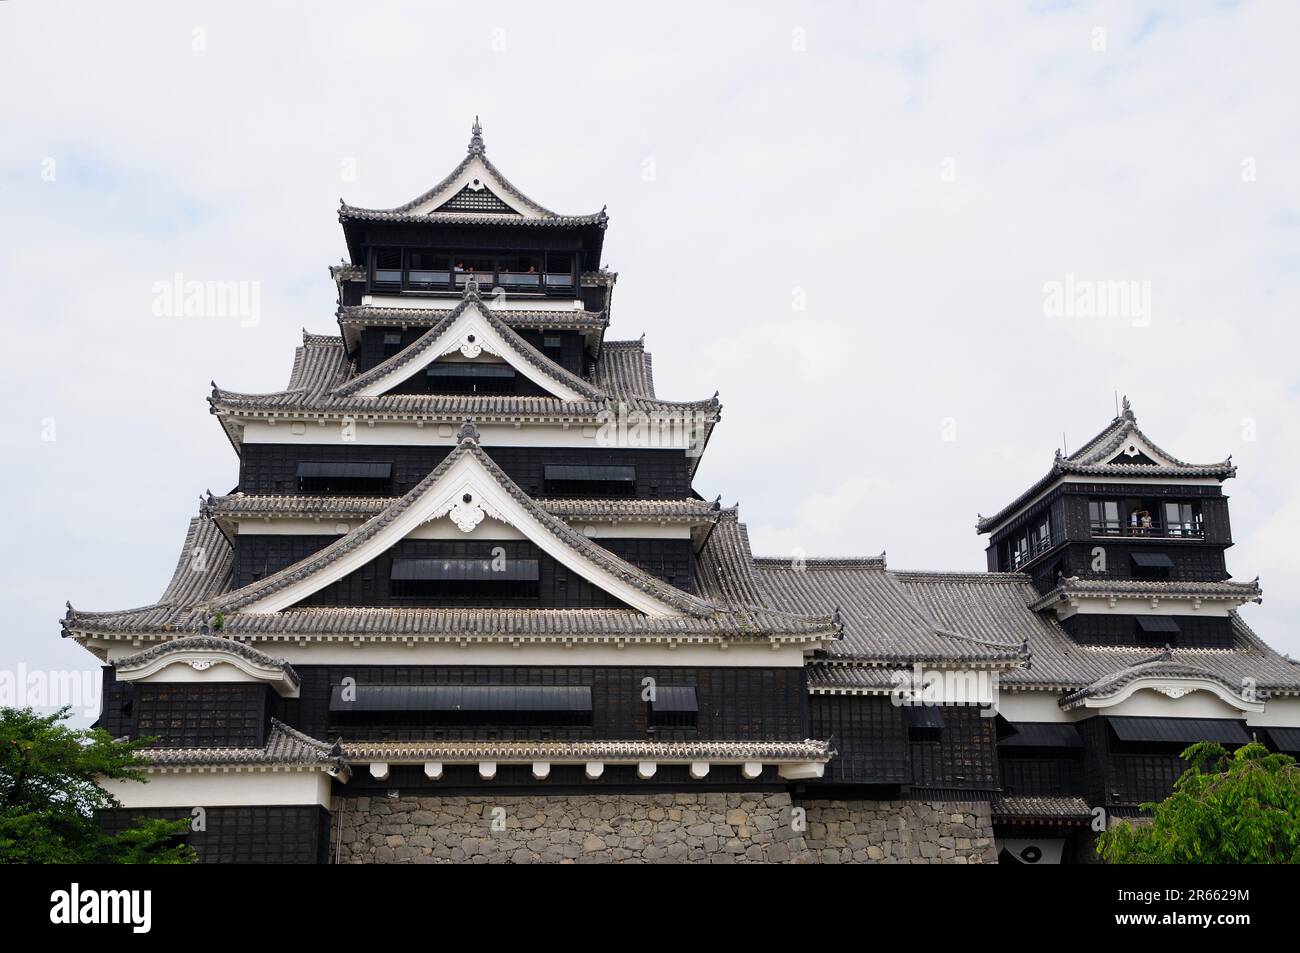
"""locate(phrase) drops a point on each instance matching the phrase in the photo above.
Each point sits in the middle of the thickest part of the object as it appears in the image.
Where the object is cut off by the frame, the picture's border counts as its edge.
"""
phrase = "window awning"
(590, 474)
(463, 698)
(353, 470)
(1285, 739)
(1042, 734)
(1158, 624)
(461, 369)
(675, 698)
(923, 716)
(1180, 730)
(465, 570)
(1152, 561)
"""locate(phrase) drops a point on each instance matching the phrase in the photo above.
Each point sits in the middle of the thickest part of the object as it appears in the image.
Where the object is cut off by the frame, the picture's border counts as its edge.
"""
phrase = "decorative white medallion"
(471, 345)
(202, 664)
(466, 513)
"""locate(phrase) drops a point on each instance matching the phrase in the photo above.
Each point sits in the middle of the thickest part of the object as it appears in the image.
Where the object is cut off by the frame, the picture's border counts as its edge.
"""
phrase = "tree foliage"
(1227, 808)
(50, 790)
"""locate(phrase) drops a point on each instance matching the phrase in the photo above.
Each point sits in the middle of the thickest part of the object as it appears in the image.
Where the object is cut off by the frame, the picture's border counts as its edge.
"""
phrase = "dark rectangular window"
(673, 706)
(471, 378)
(1103, 516)
(588, 481)
(482, 705)
(1183, 519)
(426, 270)
(358, 478)
(520, 273)
(465, 578)
(472, 268)
(1151, 565)
(559, 271)
(388, 266)
(924, 722)
(1157, 628)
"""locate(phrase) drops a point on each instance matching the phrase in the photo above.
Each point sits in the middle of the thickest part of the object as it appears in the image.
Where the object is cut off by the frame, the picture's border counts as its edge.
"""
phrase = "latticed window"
(195, 715)
(471, 200)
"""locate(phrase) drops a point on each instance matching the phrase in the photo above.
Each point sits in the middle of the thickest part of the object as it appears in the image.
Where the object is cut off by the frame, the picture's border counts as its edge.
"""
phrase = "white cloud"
(775, 169)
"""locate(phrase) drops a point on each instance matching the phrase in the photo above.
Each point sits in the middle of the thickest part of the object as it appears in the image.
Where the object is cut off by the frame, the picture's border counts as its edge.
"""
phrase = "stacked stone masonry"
(588, 829)
(720, 828)
(900, 832)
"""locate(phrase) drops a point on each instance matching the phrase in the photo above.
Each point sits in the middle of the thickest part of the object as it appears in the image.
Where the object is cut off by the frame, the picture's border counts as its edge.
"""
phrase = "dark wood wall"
(187, 714)
(869, 736)
(571, 354)
(1199, 632)
(272, 468)
(735, 704)
(296, 834)
(259, 555)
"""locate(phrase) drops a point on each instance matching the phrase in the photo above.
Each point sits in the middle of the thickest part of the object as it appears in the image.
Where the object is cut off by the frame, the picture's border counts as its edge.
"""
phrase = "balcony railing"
(1036, 549)
(529, 283)
(1147, 529)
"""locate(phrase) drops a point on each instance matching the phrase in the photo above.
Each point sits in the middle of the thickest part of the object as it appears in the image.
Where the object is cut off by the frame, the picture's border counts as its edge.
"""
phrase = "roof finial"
(1128, 410)
(467, 431)
(476, 147)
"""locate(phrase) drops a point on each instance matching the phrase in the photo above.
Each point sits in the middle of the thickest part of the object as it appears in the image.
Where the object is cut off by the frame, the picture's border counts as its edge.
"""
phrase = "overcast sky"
(841, 216)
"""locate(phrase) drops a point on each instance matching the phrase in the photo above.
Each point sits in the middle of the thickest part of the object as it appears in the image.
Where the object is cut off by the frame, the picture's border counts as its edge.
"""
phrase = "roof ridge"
(799, 564)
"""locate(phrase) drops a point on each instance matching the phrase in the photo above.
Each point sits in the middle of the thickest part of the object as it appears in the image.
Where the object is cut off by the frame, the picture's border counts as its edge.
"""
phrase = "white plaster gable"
(466, 494)
(469, 337)
(476, 175)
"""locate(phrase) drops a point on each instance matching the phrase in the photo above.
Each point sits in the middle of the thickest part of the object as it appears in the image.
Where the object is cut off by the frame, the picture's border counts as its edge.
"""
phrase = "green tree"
(50, 791)
(1227, 808)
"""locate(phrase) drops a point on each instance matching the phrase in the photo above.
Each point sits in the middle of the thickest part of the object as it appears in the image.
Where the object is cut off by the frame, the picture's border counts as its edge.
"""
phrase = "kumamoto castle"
(464, 605)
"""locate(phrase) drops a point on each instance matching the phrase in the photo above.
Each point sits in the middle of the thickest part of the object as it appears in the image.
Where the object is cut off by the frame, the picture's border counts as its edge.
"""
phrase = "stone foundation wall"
(576, 829)
(899, 832)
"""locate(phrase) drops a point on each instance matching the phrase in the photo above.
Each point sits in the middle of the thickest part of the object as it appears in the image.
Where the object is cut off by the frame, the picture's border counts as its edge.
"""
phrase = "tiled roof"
(626, 752)
(1041, 808)
(1162, 666)
(204, 643)
(718, 613)
(625, 369)
(203, 570)
(1226, 590)
(725, 566)
(241, 506)
(1056, 662)
(370, 315)
(1093, 459)
(408, 212)
(882, 621)
(524, 626)
(322, 374)
(836, 678)
(285, 747)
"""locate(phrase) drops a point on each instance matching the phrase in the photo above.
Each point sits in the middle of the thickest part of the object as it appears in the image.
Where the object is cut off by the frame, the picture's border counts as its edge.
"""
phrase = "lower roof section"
(1029, 809)
(583, 752)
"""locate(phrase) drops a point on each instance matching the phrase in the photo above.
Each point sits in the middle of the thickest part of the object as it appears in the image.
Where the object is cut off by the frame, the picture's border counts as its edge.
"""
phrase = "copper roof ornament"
(476, 147)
